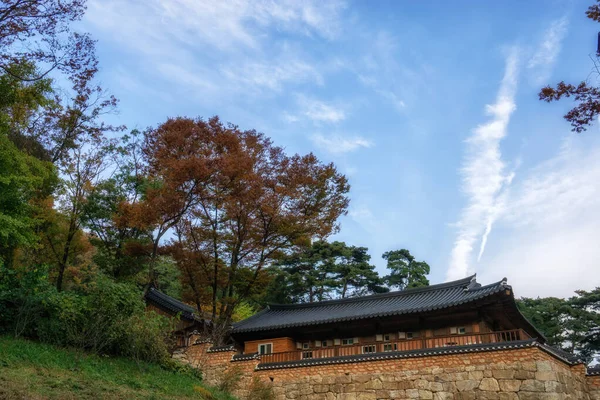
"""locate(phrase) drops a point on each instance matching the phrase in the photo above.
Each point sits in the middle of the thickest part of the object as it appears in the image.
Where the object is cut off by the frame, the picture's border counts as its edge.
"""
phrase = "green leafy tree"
(587, 305)
(570, 324)
(325, 271)
(405, 272)
(309, 274)
(23, 180)
(123, 251)
(548, 315)
(352, 273)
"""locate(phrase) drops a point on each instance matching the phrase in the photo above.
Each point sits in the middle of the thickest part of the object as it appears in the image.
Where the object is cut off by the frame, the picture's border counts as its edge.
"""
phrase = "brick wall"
(513, 374)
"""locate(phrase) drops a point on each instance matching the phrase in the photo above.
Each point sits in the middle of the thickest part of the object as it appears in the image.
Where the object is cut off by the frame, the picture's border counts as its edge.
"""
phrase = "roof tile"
(394, 303)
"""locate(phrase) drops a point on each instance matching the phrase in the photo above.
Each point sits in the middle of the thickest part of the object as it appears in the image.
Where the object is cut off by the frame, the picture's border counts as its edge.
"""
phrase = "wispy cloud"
(317, 111)
(220, 24)
(548, 50)
(392, 97)
(272, 75)
(240, 41)
(484, 175)
(339, 145)
(385, 68)
(361, 213)
(551, 224)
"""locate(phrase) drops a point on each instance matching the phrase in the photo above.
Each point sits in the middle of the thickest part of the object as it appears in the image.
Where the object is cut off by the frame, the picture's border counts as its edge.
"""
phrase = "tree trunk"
(65, 256)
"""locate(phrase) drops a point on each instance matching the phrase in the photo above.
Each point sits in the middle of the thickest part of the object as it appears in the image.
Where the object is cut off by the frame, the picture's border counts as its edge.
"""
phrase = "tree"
(354, 275)
(237, 202)
(21, 103)
(570, 324)
(405, 272)
(39, 31)
(308, 273)
(80, 175)
(585, 94)
(122, 250)
(548, 315)
(325, 271)
(23, 179)
(587, 305)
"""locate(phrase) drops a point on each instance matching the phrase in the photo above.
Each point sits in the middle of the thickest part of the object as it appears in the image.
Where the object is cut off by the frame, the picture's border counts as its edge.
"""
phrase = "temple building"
(453, 341)
(458, 313)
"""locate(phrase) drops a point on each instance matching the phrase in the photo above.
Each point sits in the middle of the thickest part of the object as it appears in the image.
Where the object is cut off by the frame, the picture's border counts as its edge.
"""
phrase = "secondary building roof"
(171, 304)
(407, 301)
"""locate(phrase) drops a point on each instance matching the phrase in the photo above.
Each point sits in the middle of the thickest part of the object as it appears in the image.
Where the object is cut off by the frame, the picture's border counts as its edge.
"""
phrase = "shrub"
(22, 295)
(260, 390)
(146, 336)
(230, 379)
(181, 368)
(102, 316)
(204, 393)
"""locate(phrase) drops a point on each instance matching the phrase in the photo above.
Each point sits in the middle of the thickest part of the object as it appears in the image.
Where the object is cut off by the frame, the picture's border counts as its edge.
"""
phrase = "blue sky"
(430, 108)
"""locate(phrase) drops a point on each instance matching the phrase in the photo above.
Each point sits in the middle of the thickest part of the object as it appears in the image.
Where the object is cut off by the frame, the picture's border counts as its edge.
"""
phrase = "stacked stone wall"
(514, 374)
(594, 386)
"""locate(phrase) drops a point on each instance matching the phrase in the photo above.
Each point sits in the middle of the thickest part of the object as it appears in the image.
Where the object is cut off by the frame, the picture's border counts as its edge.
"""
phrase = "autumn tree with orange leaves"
(235, 203)
(586, 94)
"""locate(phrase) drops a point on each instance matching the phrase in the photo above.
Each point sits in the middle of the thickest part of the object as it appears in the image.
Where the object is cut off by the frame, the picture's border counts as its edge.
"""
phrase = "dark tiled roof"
(417, 353)
(171, 304)
(560, 353)
(218, 349)
(408, 301)
(593, 371)
(245, 357)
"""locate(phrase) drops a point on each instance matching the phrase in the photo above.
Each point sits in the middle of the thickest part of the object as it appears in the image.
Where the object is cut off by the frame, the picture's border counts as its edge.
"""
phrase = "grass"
(35, 371)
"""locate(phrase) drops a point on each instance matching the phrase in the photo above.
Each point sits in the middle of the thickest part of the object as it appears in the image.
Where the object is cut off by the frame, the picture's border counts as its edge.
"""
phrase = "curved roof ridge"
(499, 283)
(398, 293)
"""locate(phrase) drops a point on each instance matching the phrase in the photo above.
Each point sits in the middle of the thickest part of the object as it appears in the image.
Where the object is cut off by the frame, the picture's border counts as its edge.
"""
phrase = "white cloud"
(338, 144)
(548, 50)
(393, 98)
(235, 45)
(221, 24)
(484, 177)
(319, 111)
(361, 213)
(180, 75)
(271, 75)
(398, 77)
(549, 245)
(289, 118)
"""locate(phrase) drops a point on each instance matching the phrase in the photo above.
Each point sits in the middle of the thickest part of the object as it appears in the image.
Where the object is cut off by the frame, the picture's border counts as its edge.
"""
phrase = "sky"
(430, 109)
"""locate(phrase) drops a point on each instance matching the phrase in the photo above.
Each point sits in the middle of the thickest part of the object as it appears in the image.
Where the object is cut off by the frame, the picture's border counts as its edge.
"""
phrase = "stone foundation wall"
(594, 386)
(514, 374)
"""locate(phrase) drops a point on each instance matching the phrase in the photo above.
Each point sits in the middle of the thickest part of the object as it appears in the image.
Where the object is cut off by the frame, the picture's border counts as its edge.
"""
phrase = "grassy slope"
(30, 370)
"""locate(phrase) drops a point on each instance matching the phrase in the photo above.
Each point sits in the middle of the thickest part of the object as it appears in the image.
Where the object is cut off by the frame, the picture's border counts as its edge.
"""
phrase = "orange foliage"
(236, 202)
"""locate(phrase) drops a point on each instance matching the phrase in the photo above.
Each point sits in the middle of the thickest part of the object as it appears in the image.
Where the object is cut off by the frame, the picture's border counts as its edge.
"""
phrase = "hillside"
(30, 370)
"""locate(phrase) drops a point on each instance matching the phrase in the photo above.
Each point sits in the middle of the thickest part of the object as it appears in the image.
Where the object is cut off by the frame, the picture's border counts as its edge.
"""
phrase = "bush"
(205, 394)
(22, 295)
(260, 390)
(230, 379)
(182, 369)
(102, 316)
